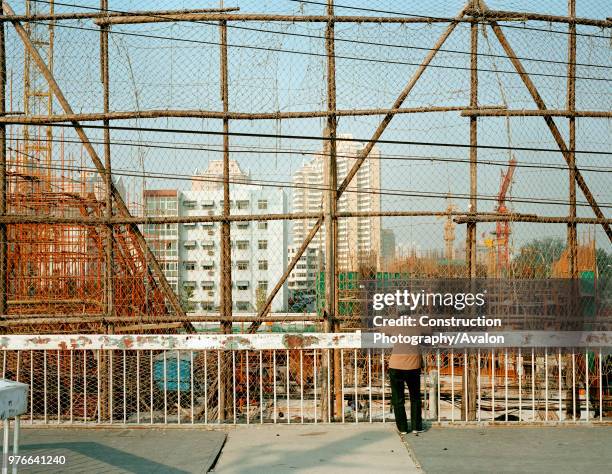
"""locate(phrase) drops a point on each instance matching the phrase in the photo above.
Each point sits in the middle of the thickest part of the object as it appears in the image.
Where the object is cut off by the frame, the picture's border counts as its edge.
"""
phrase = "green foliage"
(186, 295)
(260, 298)
(604, 272)
(535, 258)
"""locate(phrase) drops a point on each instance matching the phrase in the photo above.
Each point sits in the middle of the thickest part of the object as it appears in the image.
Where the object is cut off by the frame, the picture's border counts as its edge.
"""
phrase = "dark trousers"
(412, 378)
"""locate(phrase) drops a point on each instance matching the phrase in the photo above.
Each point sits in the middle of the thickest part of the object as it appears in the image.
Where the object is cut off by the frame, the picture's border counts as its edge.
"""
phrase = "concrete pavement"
(514, 449)
(119, 450)
(355, 448)
(336, 448)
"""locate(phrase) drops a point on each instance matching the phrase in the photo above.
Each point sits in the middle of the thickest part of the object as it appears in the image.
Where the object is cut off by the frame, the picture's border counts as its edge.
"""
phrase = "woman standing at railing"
(405, 368)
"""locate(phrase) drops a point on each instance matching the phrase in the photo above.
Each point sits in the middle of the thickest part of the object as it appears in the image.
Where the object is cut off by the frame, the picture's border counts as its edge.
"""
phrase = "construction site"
(193, 196)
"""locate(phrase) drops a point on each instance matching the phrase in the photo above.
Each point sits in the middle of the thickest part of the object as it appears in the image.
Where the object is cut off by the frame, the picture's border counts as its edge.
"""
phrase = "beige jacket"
(405, 361)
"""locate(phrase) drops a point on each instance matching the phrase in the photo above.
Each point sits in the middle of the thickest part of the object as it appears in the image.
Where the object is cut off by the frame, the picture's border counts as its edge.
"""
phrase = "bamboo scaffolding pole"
(530, 218)
(122, 207)
(572, 231)
(167, 113)
(329, 216)
(493, 112)
(468, 401)
(16, 320)
(108, 177)
(33, 219)
(262, 17)
(226, 397)
(109, 307)
(501, 15)
(149, 327)
(572, 237)
(476, 17)
(470, 250)
(3, 183)
(549, 122)
(330, 181)
(226, 257)
(213, 14)
(104, 15)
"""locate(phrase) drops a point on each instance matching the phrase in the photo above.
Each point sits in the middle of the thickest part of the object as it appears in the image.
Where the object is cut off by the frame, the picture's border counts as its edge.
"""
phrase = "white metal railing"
(289, 378)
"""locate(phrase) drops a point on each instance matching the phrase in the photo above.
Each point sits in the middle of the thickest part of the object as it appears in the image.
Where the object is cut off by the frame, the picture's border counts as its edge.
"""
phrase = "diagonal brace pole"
(362, 156)
(296, 258)
(400, 100)
(122, 207)
(554, 130)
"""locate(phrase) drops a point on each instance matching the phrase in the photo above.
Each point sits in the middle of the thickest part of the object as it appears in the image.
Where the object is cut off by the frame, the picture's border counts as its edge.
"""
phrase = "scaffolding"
(73, 257)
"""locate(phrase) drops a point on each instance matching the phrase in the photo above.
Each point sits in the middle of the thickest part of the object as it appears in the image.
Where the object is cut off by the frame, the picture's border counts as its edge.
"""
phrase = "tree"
(186, 296)
(604, 272)
(260, 298)
(535, 258)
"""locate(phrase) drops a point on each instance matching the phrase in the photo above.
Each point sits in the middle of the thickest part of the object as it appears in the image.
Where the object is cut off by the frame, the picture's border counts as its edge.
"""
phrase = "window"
(208, 204)
(208, 244)
(163, 230)
(242, 225)
(242, 204)
(170, 269)
(208, 305)
(262, 286)
(208, 265)
(242, 244)
(263, 265)
(190, 244)
(157, 205)
(208, 285)
(208, 225)
(243, 305)
(189, 204)
(262, 225)
(262, 244)
(262, 204)
(189, 285)
(189, 225)
(190, 265)
(242, 265)
(242, 285)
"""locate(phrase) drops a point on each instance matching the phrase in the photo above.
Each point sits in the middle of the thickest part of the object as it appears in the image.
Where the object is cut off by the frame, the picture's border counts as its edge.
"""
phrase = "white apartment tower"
(190, 253)
(358, 237)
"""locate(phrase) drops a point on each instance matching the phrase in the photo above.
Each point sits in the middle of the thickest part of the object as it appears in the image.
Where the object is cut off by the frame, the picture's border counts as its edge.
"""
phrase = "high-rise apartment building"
(387, 247)
(190, 253)
(359, 238)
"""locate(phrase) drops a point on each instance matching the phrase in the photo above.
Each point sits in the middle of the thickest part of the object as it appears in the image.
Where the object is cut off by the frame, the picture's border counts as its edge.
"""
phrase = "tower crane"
(449, 231)
(502, 229)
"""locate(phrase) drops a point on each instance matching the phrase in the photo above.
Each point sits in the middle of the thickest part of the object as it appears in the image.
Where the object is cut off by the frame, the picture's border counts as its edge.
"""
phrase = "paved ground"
(171, 451)
(510, 449)
(362, 448)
